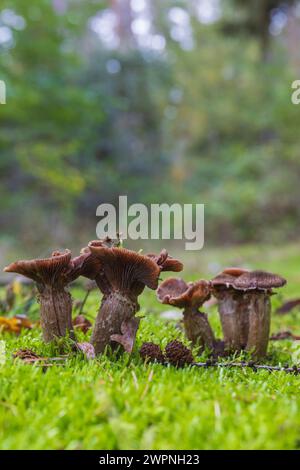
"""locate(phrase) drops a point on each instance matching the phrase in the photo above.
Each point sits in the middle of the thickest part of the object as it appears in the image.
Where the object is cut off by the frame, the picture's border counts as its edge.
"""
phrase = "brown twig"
(284, 335)
(255, 367)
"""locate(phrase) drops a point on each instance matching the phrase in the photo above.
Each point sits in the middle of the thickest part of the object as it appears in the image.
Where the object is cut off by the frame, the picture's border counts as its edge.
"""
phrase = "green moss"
(120, 403)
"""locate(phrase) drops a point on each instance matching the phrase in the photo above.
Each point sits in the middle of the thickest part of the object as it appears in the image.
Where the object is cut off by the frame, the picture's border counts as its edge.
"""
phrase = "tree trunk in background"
(293, 40)
(265, 19)
(123, 12)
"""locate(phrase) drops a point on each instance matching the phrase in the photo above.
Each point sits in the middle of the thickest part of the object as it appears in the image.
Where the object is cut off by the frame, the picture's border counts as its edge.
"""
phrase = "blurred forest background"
(166, 101)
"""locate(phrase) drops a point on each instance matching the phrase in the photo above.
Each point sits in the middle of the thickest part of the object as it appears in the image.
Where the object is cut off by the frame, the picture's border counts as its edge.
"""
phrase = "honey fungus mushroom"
(189, 297)
(121, 276)
(52, 276)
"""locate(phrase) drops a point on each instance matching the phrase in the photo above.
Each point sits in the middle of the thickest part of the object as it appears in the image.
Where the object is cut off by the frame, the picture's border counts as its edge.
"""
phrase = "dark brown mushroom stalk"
(233, 309)
(190, 297)
(257, 288)
(52, 276)
(121, 276)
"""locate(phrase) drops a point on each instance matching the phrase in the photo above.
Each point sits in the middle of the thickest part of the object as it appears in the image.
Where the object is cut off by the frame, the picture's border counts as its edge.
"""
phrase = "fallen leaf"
(82, 323)
(26, 355)
(87, 349)
(15, 324)
(284, 335)
(128, 330)
(287, 306)
(30, 357)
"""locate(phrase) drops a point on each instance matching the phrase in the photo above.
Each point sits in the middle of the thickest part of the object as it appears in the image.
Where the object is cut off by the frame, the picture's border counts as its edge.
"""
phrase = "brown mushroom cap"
(172, 288)
(235, 272)
(227, 277)
(45, 271)
(166, 262)
(108, 242)
(177, 292)
(222, 280)
(86, 265)
(123, 268)
(89, 265)
(260, 280)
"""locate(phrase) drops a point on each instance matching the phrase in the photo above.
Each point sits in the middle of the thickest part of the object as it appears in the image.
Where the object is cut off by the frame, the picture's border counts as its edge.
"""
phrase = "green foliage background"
(210, 123)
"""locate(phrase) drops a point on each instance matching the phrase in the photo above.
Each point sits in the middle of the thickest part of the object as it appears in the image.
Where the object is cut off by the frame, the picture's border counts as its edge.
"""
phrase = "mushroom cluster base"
(115, 318)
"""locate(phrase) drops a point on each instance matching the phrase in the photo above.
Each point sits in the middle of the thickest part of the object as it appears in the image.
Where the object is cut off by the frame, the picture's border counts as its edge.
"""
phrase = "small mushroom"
(257, 288)
(121, 276)
(52, 276)
(233, 309)
(190, 297)
(166, 262)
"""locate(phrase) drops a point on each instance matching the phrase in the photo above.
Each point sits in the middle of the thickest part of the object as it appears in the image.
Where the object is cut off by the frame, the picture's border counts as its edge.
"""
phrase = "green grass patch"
(121, 403)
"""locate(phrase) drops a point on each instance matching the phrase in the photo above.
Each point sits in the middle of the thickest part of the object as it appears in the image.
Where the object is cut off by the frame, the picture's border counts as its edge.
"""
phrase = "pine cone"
(151, 352)
(178, 354)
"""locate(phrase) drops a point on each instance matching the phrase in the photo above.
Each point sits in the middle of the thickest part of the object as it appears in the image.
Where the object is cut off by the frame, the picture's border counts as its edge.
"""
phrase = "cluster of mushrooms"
(244, 306)
(121, 275)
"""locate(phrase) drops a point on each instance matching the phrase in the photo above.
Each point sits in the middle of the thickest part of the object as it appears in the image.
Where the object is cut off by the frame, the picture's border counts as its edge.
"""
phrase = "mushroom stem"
(197, 328)
(56, 313)
(259, 323)
(234, 316)
(115, 309)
